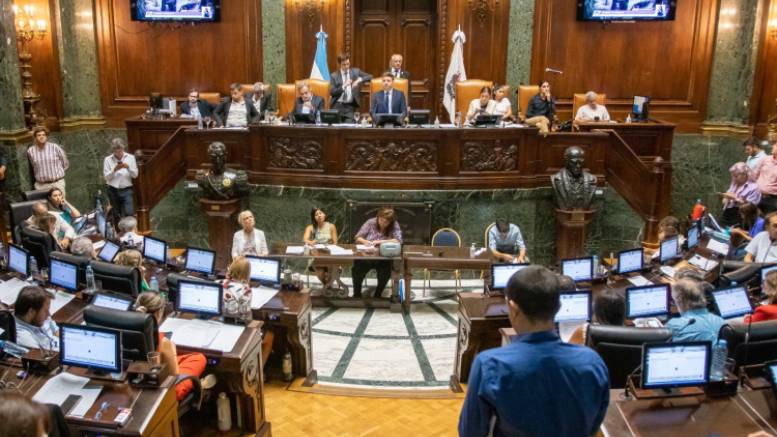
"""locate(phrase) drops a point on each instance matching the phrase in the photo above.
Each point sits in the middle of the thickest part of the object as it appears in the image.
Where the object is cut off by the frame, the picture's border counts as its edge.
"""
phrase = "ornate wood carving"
(348, 26)
(309, 9)
(488, 156)
(481, 9)
(299, 153)
(390, 155)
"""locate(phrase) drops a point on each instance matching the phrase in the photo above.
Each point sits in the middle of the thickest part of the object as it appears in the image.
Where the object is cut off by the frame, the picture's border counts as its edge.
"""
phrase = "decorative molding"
(442, 23)
(297, 153)
(390, 155)
(488, 156)
(16, 136)
(481, 9)
(309, 9)
(73, 123)
(726, 129)
(348, 26)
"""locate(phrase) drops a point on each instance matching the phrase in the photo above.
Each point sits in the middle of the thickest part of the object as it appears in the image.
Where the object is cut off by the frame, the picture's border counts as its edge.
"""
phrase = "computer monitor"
(575, 307)
(18, 259)
(265, 270)
(96, 349)
(64, 274)
(155, 249)
(111, 301)
(109, 251)
(419, 116)
(199, 297)
(669, 365)
(501, 274)
(330, 116)
(200, 260)
(670, 249)
(771, 374)
(388, 119)
(732, 302)
(765, 271)
(641, 108)
(486, 120)
(303, 118)
(647, 301)
(579, 269)
(630, 260)
(694, 234)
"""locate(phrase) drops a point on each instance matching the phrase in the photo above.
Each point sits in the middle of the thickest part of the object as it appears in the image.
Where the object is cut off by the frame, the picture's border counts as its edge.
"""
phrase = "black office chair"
(761, 347)
(621, 347)
(120, 279)
(19, 213)
(741, 273)
(40, 245)
(8, 326)
(80, 261)
(36, 195)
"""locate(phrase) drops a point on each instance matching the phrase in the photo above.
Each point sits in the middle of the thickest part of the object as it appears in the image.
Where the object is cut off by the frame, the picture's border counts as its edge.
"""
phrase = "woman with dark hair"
(58, 205)
(483, 105)
(503, 105)
(750, 220)
(609, 309)
(320, 231)
(542, 109)
(21, 417)
(381, 229)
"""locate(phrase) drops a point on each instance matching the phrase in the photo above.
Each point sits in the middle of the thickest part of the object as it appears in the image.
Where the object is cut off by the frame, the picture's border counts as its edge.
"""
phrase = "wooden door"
(408, 27)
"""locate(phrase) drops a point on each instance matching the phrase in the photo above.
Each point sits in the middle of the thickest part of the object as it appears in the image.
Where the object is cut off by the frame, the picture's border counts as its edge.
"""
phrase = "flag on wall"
(320, 68)
(455, 73)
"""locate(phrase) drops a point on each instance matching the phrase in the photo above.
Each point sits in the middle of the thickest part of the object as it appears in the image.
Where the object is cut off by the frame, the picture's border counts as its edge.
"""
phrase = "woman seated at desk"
(193, 364)
(133, 258)
(609, 309)
(249, 240)
(503, 105)
(382, 229)
(320, 231)
(767, 311)
(48, 223)
(483, 105)
(58, 205)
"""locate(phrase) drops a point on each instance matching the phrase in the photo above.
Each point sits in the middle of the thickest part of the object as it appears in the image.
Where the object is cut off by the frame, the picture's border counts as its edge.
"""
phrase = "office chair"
(621, 347)
(20, 212)
(80, 261)
(40, 245)
(121, 279)
(761, 347)
(8, 325)
(467, 91)
(35, 195)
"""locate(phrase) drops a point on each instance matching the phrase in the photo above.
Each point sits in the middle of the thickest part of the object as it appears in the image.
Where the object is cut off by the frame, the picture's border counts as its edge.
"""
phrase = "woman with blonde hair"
(133, 258)
(237, 289)
(767, 311)
(249, 240)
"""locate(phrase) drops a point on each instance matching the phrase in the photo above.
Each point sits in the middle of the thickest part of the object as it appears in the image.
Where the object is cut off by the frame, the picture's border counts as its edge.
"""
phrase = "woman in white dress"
(249, 240)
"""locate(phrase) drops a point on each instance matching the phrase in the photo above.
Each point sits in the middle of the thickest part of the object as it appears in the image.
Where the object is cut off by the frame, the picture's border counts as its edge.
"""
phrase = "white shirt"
(502, 106)
(585, 113)
(752, 161)
(194, 111)
(347, 97)
(257, 104)
(135, 239)
(122, 178)
(762, 248)
(33, 337)
(239, 244)
(237, 114)
(60, 228)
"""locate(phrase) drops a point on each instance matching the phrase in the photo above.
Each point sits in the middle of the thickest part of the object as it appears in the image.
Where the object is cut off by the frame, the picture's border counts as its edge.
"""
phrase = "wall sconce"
(773, 27)
(28, 28)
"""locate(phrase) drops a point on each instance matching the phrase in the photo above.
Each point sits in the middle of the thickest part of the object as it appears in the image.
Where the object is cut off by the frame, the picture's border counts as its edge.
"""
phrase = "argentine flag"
(320, 68)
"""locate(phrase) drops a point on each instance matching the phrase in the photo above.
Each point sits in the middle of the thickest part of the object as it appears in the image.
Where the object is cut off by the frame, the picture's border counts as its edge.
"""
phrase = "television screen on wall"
(175, 10)
(626, 10)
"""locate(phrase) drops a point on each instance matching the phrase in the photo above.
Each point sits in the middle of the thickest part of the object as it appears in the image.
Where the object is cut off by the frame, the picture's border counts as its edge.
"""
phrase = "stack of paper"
(639, 280)
(261, 295)
(10, 289)
(295, 250)
(336, 250)
(202, 334)
(57, 389)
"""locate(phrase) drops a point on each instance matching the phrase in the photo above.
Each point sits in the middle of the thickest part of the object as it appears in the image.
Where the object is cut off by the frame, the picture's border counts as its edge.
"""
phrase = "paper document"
(171, 324)
(717, 247)
(88, 397)
(10, 289)
(60, 300)
(337, 250)
(57, 389)
(295, 250)
(261, 295)
(703, 263)
(319, 246)
(365, 248)
(203, 334)
(192, 335)
(639, 280)
(98, 245)
(566, 329)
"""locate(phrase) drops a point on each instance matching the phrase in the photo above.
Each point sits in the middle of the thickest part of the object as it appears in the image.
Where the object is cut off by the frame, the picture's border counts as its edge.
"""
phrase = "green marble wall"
(12, 114)
(274, 41)
(78, 59)
(519, 42)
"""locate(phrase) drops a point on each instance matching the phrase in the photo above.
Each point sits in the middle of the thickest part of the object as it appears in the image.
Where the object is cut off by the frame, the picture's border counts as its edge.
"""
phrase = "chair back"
(400, 84)
(525, 93)
(212, 98)
(286, 94)
(20, 211)
(447, 237)
(761, 347)
(621, 347)
(40, 245)
(139, 331)
(8, 325)
(467, 91)
(485, 234)
(247, 88)
(80, 261)
(36, 195)
(578, 100)
(120, 279)
(318, 87)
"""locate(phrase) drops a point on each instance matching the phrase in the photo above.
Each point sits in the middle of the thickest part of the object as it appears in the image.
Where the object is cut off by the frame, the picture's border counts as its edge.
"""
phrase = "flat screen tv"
(175, 10)
(626, 10)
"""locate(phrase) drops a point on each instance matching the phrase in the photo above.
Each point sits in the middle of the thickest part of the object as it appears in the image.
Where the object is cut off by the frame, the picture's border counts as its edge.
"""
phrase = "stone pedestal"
(571, 232)
(222, 216)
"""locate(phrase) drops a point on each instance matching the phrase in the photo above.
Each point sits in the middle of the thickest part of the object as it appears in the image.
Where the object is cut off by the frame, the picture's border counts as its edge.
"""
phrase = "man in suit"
(235, 111)
(395, 66)
(260, 99)
(196, 107)
(345, 87)
(388, 100)
(307, 102)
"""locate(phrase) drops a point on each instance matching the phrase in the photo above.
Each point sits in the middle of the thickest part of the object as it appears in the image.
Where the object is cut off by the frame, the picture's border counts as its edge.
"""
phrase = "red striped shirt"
(48, 163)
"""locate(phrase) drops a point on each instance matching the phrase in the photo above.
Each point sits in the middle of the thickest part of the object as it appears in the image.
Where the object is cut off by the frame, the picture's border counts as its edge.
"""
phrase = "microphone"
(553, 70)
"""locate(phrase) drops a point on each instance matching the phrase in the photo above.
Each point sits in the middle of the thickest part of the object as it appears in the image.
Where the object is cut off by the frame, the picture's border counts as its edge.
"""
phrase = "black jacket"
(206, 110)
(222, 112)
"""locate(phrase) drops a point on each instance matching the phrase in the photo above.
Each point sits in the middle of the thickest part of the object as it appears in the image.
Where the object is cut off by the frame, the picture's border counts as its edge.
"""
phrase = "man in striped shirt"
(48, 160)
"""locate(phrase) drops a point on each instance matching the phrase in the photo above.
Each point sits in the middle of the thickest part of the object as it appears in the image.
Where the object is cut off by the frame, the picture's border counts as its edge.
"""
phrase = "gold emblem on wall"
(481, 9)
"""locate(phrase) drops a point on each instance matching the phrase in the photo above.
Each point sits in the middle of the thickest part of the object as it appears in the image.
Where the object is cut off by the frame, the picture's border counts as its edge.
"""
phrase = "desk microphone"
(553, 70)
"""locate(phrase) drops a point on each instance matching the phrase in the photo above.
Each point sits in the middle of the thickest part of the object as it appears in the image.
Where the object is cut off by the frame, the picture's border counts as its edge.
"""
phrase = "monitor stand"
(97, 374)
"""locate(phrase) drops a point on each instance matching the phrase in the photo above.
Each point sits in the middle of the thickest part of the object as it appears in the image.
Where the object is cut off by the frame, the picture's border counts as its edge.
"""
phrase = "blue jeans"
(121, 200)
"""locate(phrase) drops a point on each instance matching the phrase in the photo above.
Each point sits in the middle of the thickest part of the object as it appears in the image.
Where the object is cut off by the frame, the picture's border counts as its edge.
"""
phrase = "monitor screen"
(732, 302)
(199, 297)
(102, 224)
(575, 307)
(90, 347)
(647, 301)
(579, 269)
(765, 271)
(200, 260)
(109, 251)
(670, 249)
(155, 249)
(630, 260)
(266, 270)
(719, 247)
(694, 232)
(171, 10)
(772, 375)
(113, 302)
(18, 260)
(598, 10)
(666, 365)
(501, 274)
(64, 274)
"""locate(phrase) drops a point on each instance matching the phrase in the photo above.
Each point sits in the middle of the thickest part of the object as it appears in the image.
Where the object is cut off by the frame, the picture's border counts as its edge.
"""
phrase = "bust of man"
(573, 187)
(221, 183)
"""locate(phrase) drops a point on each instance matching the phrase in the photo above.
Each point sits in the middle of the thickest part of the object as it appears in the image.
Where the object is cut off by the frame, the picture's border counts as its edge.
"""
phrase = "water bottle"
(472, 250)
(154, 284)
(457, 120)
(13, 349)
(33, 266)
(224, 412)
(628, 118)
(287, 367)
(318, 118)
(199, 122)
(436, 121)
(90, 287)
(719, 355)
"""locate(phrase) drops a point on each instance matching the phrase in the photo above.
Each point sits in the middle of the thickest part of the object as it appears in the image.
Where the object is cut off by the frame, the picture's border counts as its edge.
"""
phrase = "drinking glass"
(357, 117)
(154, 360)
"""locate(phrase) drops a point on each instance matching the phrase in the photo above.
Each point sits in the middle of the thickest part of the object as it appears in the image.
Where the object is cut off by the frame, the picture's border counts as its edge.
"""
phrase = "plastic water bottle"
(318, 118)
(628, 118)
(719, 355)
(13, 349)
(224, 412)
(98, 201)
(287, 367)
(33, 266)
(436, 121)
(199, 122)
(154, 284)
(472, 250)
(90, 286)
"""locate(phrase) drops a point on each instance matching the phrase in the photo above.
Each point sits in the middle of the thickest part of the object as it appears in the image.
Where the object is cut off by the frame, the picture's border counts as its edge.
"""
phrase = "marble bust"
(221, 183)
(573, 187)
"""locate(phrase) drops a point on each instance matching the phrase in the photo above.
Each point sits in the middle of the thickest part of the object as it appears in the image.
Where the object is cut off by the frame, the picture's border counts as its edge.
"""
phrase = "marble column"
(519, 42)
(274, 41)
(12, 115)
(78, 62)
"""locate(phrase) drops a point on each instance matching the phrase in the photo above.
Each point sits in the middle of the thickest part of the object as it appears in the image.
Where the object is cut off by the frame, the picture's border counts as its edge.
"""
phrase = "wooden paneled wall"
(763, 103)
(138, 57)
(304, 18)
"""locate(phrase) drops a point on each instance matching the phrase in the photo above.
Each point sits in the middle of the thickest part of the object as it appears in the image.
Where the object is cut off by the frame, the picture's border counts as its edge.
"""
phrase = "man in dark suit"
(307, 102)
(388, 100)
(261, 99)
(395, 66)
(196, 107)
(235, 111)
(345, 87)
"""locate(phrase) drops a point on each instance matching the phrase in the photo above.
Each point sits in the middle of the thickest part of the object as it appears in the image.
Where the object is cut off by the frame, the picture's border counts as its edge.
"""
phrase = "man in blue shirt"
(695, 323)
(505, 241)
(536, 385)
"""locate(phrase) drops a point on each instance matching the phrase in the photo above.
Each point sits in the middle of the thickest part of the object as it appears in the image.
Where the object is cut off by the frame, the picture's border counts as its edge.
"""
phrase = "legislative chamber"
(374, 217)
